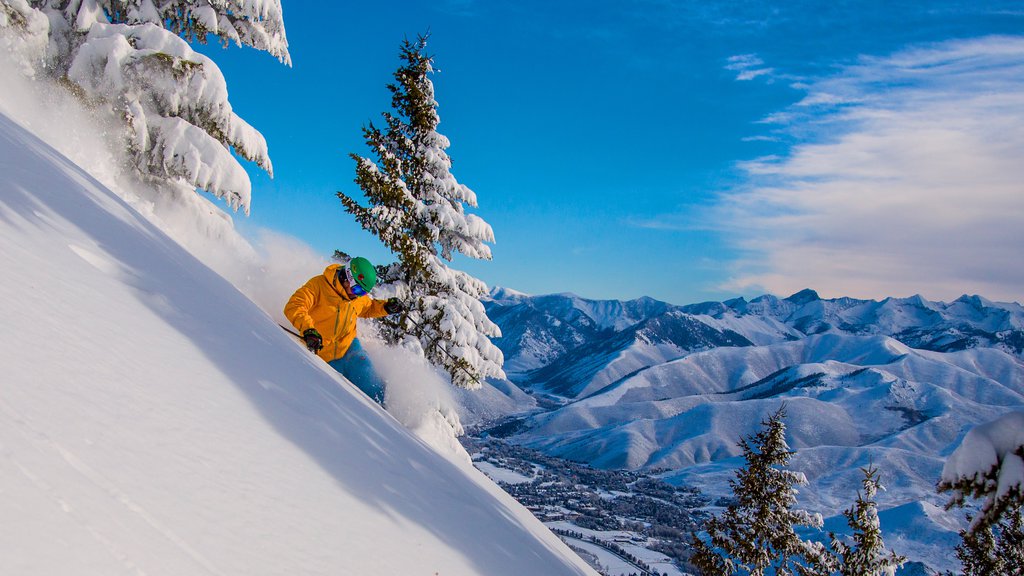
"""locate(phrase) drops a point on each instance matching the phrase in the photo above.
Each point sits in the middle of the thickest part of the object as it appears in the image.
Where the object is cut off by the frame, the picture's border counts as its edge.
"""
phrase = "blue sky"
(681, 150)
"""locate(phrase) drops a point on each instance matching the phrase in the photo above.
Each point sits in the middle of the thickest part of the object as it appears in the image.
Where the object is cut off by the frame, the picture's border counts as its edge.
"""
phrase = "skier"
(324, 310)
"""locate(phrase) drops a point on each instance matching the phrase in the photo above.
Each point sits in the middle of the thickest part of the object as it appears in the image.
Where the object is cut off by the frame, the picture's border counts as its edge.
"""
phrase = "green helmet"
(363, 273)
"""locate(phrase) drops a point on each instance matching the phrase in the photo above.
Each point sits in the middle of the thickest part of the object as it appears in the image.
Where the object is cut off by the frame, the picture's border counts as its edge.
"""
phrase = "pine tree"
(1010, 542)
(994, 548)
(417, 210)
(976, 552)
(131, 61)
(756, 534)
(867, 556)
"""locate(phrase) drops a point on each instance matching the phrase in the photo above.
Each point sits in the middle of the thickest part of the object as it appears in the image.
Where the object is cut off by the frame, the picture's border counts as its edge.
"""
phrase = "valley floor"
(629, 522)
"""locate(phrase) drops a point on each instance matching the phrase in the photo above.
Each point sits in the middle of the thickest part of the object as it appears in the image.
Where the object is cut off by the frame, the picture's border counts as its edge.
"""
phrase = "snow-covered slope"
(851, 392)
(154, 421)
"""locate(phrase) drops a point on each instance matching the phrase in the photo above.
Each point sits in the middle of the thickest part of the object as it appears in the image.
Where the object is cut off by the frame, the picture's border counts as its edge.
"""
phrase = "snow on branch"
(255, 23)
(988, 464)
(181, 125)
(131, 60)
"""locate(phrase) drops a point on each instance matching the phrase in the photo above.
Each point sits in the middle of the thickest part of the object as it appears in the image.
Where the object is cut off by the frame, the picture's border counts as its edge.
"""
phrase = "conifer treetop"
(417, 208)
(868, 555)
(757, 532)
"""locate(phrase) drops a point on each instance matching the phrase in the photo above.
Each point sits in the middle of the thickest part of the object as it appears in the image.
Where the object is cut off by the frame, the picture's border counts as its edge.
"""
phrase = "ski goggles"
(353, 286)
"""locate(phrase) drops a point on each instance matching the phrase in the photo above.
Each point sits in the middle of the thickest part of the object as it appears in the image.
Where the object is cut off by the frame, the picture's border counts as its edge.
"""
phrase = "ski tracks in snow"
(73, 499)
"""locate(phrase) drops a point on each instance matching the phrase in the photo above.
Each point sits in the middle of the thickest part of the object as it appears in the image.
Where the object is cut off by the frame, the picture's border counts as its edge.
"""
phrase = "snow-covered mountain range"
(645, 384)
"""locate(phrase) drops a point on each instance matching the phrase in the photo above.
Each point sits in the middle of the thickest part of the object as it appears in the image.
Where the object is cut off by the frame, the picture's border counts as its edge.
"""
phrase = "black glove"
(394, 306)
(314, 341)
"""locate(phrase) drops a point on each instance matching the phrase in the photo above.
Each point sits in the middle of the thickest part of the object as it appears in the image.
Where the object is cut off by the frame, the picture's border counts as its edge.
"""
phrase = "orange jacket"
(322, 303)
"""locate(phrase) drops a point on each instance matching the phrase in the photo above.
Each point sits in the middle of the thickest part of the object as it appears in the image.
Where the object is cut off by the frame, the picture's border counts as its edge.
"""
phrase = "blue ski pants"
(356, 366)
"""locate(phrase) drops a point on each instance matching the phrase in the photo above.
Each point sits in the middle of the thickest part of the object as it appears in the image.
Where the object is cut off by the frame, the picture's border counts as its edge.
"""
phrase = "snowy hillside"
(895, 383)
(154, 421)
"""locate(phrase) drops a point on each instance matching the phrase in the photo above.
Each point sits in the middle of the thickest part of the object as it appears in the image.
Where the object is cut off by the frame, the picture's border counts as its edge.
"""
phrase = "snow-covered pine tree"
(417, 209)
(867, 556)
(756, 534)
(989, 465)
(126, 58)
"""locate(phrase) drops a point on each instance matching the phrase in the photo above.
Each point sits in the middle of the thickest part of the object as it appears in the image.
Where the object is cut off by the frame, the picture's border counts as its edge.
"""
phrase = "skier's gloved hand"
(314, 341)
(393, 306)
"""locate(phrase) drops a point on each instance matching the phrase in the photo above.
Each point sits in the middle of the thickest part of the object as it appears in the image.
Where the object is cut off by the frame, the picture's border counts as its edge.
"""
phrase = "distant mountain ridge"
(646, 384)
(967, 322)
(561, 343)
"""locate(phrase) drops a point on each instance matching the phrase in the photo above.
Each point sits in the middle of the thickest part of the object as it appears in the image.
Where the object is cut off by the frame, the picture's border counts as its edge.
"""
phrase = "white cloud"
(909, 179)
(761, 138)
(748, 66)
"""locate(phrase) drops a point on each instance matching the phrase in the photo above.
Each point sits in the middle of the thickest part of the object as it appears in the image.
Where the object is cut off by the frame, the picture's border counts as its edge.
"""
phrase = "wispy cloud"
(748, 66)
(761, 138)
(909, 178)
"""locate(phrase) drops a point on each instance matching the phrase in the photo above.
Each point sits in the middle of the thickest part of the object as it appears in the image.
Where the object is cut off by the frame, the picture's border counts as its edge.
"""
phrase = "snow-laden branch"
(131, 60)
(988, 464)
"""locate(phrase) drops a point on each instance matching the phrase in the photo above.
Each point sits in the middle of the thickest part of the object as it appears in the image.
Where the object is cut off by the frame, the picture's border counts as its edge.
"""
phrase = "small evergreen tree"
(756, 534)
(867, 556)
(130, 60)
(417, 209)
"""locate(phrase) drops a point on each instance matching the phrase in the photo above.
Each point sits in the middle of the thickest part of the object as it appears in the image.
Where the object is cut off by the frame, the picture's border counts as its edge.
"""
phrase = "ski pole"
(292, 332)
(300, 337)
